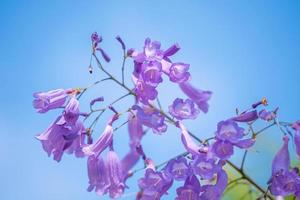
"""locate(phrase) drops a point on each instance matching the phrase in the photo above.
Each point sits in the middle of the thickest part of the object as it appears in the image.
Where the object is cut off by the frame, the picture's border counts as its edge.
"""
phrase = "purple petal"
(222, 149)
(121, 42)
(281, 160)
(172, 50)
(96, 100)
(246, 117)
(104, 55)
(187, 140)
(245, 144)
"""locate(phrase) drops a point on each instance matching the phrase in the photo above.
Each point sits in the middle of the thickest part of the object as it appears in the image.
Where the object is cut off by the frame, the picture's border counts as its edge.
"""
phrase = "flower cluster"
(201, 168)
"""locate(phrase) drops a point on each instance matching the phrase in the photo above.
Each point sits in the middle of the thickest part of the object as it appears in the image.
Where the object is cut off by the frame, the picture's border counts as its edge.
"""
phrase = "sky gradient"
(240, 50)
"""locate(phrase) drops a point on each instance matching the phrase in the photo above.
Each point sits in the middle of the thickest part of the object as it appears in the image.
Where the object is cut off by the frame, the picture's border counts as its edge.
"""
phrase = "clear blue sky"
(241, 50)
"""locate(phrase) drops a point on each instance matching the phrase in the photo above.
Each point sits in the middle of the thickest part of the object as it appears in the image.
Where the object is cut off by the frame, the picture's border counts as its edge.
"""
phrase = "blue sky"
(241, 50)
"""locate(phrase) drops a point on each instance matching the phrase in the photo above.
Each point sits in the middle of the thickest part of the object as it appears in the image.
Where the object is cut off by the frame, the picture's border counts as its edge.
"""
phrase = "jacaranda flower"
(144, 92)
(267, 115)
(200, 97)
(178, 169)
(178, 72)
(190, 190)
(45, 101)
(187, 140)
(246, 116)
(183, 109)
(97, 175)
(151, 73)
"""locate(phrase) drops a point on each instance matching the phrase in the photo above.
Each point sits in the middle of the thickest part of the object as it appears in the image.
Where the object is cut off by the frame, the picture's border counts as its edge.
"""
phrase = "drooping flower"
(45, 101)
(267, 115)
(178, 72)
(284, 181)
(97, 175)
(200, 97)
(228, 135)
(190, 190)
(71, 112)
(151, 118)
(206, 165)
(178, 169)
(115, 179)
(187, 140)
(59, 138)
(246, 116)
(151, 73)
(103, 142)
(209, 192)
(152, 50)
(153, 185)
(183, 109)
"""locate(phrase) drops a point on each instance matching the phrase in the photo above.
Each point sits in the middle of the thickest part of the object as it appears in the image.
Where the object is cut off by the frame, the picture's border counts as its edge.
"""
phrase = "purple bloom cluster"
(200, 169)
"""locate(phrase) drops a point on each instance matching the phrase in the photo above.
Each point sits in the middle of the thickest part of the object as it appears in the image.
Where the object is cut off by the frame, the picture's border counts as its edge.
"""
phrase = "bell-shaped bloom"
(283, 181)
(209, 192)
(267, 115)
(183, 109)
(200, 97)
(103, 142)
(144, 92)
(45, 101)
(222, 149)
(97, 175)
(206, 166)
(152, 50)
(228, 135)
(246, 116)
(187, 140)
(178, 169)
(190, 190)
(58, 138)
(151, 73)
(178, 72)
(151, 118)
(115, 180)
(153, 185)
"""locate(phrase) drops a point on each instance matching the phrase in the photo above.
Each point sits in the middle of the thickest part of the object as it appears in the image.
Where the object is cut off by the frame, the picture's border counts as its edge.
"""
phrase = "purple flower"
(209, 192)
(45, 101)
(71, 112)
(229, 131)
(178, 72)
(144, 92)
(206, 166)
(200, 97)
(190, 190)
(228, 135)
(97, 175)
(222, 149)
(178, 169)
(187, 140)
(154, 185)
(152, 50)
(171, 50)
(181, 109)
(59, 138)
(151, 73)
(267, 115)
(115, 180)
(151, 118)
(103, 142)
(96, 100)
(283, 181)
(121, 42)
(246, 116)
(296, 125)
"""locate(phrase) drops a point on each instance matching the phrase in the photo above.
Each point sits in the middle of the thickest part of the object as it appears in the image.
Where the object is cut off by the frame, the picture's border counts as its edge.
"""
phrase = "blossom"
(267, 115)
(115, 180)
(183, 109)
(154, 184)
(97, 175)
(151, 73)
(71, 112)
(228, 135)
(209, 192)
(178, 72)
(144, 92)
(45, 101)
(187, 140)
(59, 138)
(206, 165)
(296, 127)
(151, 118)
(171, 50)
(119, 39)
(178, 169)
(283, 181)
(200, 97)
(190, 190)
(103, 142)
(96, 39)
